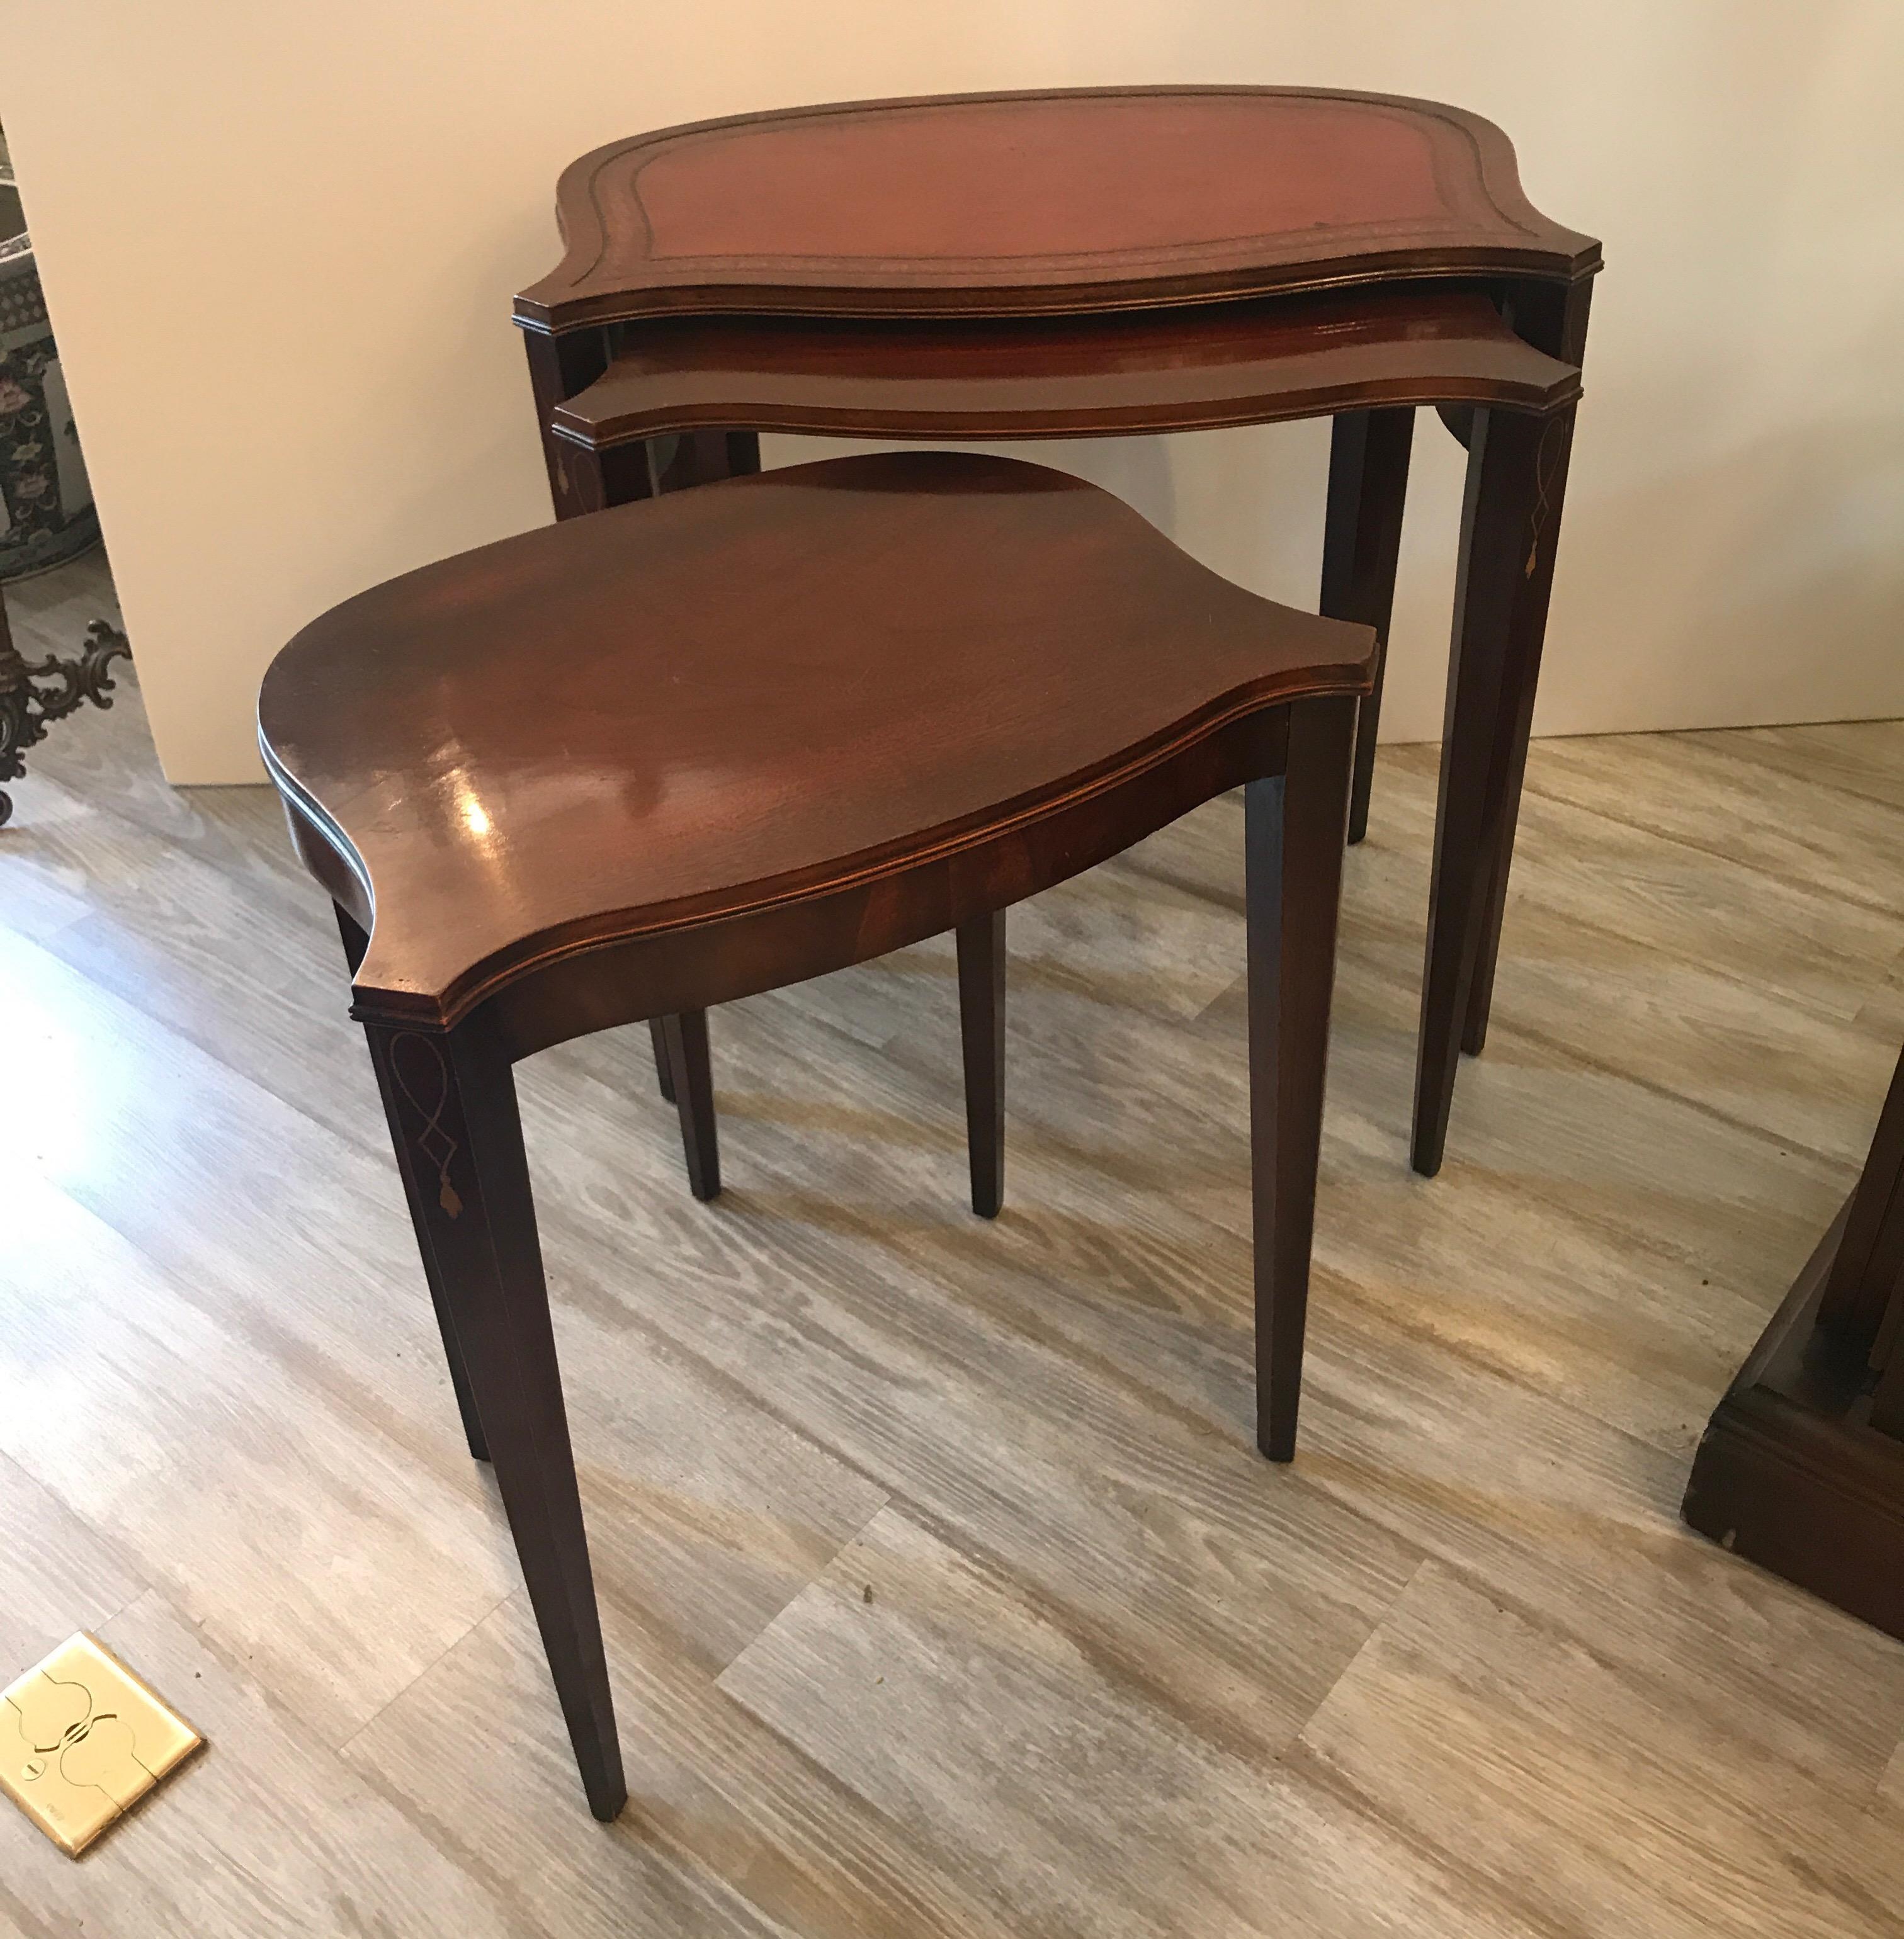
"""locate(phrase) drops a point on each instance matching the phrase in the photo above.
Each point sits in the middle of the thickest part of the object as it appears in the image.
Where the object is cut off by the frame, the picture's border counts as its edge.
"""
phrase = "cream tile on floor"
(1460, 1669)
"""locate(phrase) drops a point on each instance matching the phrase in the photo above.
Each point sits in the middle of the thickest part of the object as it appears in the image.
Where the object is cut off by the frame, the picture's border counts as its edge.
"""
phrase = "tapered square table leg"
(1293, 825)
(1516, 472)
(1361, 542)
(458, 1132)
(355, 942)
(691, 1072)
(981, 1030)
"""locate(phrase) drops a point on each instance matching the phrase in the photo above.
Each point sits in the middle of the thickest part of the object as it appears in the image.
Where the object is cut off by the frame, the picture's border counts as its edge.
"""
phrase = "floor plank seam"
(284, 1349)
(1380, 1624)
(448, 1648)
(1519, 897)
(1746, 753)
(633, 1828)
(1775, 1140)
(1528, 1921)
(1694, 1699)
(291, 1096)
(1841, 893)
(802, 1588)
(1068, 1622)
(1522, 897)
(106, 1541)
(1208, 1721)
(1011, 1318)
(1211, 1427)
(1463, 1355)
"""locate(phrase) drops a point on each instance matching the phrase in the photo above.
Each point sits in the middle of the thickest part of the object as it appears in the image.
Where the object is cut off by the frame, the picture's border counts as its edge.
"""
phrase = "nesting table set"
(665, 754)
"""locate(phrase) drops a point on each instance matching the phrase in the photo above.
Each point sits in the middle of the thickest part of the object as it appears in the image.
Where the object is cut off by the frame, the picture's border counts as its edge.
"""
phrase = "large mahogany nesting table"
(623, 768)
(1102, 262)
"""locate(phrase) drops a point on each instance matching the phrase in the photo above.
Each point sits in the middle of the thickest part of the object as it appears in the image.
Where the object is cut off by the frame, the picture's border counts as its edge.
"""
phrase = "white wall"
(279, 243)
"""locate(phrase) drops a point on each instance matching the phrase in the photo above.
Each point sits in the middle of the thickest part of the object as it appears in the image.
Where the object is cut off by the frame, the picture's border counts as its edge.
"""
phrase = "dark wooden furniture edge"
(1474, 358)
(1790, 1474)
(1509, 529)
(324, 847)
(1861, 1304)
(1566, 257)
(601, 972)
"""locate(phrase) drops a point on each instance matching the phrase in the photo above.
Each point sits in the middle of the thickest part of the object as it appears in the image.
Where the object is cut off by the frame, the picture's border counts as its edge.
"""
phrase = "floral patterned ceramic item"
(46, 505)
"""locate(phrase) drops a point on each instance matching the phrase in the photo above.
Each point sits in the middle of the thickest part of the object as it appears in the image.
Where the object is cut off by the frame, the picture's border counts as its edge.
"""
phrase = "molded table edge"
(521, 958)
(540, 307)
(597, 419)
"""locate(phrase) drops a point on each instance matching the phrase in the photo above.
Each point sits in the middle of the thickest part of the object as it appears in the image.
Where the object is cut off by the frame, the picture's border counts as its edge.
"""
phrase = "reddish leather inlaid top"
(672, 712)
(1084, 177)
(1044, 201)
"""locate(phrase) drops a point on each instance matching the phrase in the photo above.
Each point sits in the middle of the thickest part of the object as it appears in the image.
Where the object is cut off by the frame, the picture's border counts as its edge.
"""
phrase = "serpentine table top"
(1098, 263)
(1144, 196)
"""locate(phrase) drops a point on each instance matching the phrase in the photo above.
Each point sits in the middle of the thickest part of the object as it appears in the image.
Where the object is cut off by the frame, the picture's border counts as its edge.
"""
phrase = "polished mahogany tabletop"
(1183, 367)
(715, 701)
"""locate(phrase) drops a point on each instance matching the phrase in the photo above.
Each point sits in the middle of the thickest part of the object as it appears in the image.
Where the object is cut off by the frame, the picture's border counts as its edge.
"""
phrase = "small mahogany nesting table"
(1101, 262)
(625, 767)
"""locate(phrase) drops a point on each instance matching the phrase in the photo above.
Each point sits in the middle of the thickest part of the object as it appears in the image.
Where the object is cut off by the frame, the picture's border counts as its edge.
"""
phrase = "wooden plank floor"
(944, 1593)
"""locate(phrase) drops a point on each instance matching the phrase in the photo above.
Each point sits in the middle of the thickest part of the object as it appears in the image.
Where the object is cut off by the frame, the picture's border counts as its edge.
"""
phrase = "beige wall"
(279, 243)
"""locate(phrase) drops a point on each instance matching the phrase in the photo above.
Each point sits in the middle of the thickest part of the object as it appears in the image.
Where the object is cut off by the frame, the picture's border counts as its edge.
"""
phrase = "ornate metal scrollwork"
(33, 694)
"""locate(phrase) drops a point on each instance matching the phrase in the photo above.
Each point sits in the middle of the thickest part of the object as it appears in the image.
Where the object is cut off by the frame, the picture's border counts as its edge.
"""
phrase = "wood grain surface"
(1458, 1670)
(770, 693)
(1009, 203)
(1172, 369)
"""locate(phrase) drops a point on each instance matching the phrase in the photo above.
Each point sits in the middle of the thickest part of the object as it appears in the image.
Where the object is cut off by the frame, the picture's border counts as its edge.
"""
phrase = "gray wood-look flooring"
(944, 1593)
